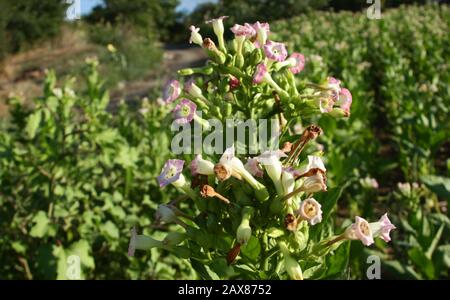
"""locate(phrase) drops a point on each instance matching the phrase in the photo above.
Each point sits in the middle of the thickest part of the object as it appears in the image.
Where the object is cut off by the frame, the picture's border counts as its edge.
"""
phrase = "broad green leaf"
(203, 270)
(422, 261)
(33, 124)
(110, 229)
(252, 249)
(41, 226)
(439, 185)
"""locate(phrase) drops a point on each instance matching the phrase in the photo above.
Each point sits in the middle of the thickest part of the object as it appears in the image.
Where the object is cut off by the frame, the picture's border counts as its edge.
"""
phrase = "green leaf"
(203, 270)
(435, 242)
(422, 261)
(41, 226)
(328, 201)
(275, 232)
(110, 230)
(33, 123)
(252, 249)
(439, 185)
(82, 249)
(337, 262)
(443, 255)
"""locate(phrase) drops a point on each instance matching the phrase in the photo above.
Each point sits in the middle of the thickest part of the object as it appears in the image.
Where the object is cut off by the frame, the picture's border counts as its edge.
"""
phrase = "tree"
(145, 14)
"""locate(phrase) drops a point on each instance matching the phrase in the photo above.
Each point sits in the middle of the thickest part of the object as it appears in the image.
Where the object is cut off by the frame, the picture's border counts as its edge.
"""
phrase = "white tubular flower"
(141, 242)
(311, 211)
(196, 38)
(314, 162)
(201, 166)
(229, 165)
(219, 30)
(288, 181)
(314, 183)
(272, 164)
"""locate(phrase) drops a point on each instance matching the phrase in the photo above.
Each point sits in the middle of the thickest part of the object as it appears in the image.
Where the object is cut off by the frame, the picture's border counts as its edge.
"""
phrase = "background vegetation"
(75, 174)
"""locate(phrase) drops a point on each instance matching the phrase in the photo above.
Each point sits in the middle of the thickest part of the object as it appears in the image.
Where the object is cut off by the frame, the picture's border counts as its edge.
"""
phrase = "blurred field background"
(83, 137)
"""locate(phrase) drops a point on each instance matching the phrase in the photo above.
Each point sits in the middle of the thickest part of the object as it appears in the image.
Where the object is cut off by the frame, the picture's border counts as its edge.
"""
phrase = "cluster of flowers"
(251, 62)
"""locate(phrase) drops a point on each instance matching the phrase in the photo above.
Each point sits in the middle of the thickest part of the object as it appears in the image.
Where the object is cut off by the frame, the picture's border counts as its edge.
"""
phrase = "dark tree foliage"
(145, 14)
(23, 22)
(355, 5)
(254, 10)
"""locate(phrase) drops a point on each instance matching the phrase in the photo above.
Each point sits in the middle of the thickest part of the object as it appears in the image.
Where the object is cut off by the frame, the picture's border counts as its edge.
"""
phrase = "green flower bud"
(239, 60)
(244, 231)
(215, 54)
(256, 57)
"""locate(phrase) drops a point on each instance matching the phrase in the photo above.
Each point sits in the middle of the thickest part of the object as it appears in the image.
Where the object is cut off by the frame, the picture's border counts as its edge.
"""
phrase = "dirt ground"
(23, 74)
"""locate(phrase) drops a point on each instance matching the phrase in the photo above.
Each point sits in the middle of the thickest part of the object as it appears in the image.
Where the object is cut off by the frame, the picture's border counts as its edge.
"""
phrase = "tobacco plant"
(248, 211)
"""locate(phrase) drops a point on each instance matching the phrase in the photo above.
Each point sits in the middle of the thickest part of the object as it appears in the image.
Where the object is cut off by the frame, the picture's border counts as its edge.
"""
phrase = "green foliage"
(21, 25)
(398, 131)
(74, 179)
(142, 14)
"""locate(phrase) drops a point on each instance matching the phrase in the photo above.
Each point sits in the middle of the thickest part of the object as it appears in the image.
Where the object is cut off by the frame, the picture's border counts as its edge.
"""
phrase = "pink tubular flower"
(245, 30)
(335, 86)
(172, 91)
(254, 168)
(382, 228)
(299, 62)
(311, 211)
(345, 100)
(262, 31)
(275, 51)
(360, 230)
(261, 71)
(171, 172)
(184, 112)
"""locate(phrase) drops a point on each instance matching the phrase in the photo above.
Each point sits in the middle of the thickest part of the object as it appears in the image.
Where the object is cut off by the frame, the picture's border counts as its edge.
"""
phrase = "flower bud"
(165, 214)
(244, 231)
(215, 54)
(291, 265)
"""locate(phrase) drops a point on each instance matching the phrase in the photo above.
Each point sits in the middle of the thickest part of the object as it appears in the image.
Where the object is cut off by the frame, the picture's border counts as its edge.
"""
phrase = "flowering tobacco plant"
(245, 213)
